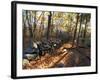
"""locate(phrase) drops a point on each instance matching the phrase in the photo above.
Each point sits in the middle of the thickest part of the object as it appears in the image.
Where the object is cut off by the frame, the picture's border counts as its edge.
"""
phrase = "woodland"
(53, 39)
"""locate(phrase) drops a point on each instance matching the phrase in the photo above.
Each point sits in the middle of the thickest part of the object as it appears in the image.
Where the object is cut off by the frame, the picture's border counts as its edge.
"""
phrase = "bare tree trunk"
(49, 24)
(85, 30)
(41, 26)
(34, 25)
(51, 29)
(29, 26)
(79, 30)
(42, 29)
(75, 31)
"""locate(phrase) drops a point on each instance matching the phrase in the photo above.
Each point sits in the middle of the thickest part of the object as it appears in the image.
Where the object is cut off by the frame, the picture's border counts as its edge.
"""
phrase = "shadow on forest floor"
(71, 57)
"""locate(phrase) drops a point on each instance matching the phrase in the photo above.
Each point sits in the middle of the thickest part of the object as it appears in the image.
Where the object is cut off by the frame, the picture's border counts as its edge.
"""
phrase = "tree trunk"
(51, 29)
(34, 25)
(42, 30)
(79, 30)
(29, 26)
(85, 30)
(41, 26)
(49, 24)
(75, 31)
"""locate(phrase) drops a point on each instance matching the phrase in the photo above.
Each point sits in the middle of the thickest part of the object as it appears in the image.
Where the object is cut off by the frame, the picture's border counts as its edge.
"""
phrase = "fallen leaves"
(62, 57)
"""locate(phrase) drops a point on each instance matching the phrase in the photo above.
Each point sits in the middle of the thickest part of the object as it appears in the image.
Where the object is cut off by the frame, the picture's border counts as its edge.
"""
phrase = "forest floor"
(71, 57)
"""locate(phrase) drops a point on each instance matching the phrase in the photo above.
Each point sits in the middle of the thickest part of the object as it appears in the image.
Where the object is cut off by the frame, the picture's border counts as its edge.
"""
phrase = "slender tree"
(43, 18)
(49, 24)
(34, 25)
(79, 29)
(85, 30)
(41, 25)
(51, 28)
(75, 31)
(28, 22)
